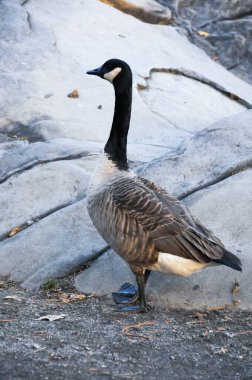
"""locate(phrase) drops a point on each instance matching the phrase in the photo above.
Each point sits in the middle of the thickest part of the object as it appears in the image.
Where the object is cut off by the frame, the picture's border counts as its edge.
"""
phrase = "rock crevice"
(199, 78)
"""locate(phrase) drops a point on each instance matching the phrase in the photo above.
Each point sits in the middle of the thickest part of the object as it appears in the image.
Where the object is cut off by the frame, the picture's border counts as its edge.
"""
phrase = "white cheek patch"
(112, 74)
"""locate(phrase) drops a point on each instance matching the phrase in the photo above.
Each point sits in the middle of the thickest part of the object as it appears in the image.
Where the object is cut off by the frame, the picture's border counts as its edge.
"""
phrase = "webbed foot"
(127, 294)
(137, 308)
(128, 300)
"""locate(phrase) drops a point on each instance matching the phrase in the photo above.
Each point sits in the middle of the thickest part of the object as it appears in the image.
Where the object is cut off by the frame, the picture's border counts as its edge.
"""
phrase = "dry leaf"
(14, 231)
(206, 333)
(200, 316)
(171, 320)
(222, 350)
(226, 318)
(203, 34)
(74, 94)
(221, 328)
(56, 357)
(15, 298)
(222, 307)
(37, 347)
(51, 318)
(69, 297)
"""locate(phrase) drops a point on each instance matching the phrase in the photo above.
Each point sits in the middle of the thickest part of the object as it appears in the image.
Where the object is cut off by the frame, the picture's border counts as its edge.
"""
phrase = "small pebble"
(74, 94)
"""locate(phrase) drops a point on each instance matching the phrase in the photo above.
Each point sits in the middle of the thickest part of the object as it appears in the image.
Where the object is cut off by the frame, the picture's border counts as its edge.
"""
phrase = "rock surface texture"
(190, 133)
(223, 28)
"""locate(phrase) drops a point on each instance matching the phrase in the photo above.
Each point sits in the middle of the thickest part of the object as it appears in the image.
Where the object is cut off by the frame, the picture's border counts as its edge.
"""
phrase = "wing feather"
(165, 221)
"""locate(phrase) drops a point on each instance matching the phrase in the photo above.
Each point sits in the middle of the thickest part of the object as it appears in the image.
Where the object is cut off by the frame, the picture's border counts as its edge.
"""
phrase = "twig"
(243, 332)
(126, 329)
(235, 290)
(222, 307)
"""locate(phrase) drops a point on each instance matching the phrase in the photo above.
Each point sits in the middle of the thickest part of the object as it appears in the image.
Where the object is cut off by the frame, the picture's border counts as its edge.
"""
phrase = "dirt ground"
(92, 341)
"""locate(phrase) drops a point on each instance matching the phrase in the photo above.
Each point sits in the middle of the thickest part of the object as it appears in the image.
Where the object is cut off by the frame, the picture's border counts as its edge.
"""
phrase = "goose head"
(116, 72)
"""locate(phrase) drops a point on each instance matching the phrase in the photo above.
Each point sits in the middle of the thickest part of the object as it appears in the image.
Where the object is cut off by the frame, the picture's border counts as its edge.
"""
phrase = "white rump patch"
(110, 76)
(172, 264)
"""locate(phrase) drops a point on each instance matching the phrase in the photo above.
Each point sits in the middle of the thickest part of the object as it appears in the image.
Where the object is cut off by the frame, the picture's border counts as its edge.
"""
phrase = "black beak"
(97, 72)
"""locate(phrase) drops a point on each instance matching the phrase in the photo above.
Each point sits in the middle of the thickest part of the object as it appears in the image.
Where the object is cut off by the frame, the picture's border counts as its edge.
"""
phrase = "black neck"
(116, 146)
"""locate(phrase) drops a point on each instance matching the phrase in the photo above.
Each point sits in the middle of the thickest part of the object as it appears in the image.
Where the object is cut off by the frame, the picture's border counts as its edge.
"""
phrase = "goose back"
(140, 220)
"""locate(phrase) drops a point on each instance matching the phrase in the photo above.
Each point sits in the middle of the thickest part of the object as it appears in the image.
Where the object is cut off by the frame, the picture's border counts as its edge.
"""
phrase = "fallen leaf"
(221, 329)
(37, 347)
(12, 298)
(69, 297)
(222, 350)
(171, 320)
(14, 231)
(206, 333)
(226, 318)
(222, 307)
(51, 318)
(56, 357)
(203, 34)
(200, 316)
(74, 94)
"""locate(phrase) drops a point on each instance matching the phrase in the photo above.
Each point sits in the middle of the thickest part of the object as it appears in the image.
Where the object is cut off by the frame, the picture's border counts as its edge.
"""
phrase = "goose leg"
(128, 295)
(141, 291)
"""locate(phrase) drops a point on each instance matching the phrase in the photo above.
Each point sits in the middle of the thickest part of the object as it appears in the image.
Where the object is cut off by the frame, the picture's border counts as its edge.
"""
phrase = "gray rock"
(59, 268)
(25, 156)
(63, 238)
(10, 31)
(8, 143)
(229, 24)
(186, 103)
(34, 193)
(211, 155)
(83, 141)
(105, 275)
(48, 60)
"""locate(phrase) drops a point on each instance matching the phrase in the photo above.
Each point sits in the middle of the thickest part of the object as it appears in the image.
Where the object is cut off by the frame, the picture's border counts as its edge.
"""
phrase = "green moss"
(51, 284)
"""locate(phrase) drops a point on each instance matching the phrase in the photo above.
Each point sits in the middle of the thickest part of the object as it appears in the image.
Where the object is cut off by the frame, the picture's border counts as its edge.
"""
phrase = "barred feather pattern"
(138, 219)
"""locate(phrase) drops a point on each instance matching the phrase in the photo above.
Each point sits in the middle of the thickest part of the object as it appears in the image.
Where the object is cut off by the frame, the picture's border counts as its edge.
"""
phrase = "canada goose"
(149, 228)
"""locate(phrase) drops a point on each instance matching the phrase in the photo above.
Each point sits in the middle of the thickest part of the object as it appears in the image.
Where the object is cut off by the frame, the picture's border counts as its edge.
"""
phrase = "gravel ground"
(93, 341)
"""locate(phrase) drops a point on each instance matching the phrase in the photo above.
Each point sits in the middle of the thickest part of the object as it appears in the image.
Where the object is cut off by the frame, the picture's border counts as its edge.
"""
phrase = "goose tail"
(230, 260)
